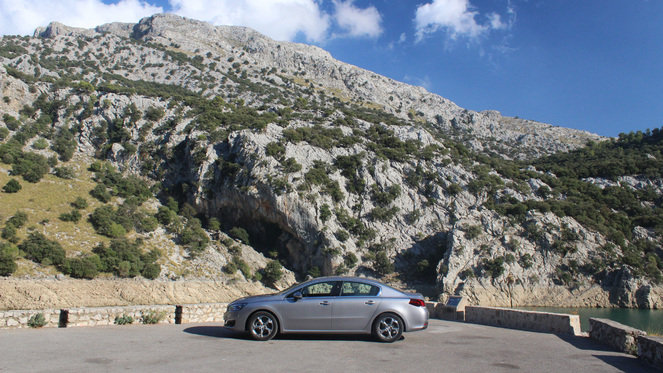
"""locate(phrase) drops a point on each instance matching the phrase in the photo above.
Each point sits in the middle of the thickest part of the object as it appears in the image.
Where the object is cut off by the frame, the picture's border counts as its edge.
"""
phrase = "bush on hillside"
(40, 249)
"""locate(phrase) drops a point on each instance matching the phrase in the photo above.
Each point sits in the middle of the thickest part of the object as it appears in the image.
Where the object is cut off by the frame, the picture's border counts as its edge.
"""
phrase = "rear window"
(358, 289)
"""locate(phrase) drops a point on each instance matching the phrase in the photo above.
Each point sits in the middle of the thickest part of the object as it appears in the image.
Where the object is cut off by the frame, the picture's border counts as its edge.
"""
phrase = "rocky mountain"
(221, 148)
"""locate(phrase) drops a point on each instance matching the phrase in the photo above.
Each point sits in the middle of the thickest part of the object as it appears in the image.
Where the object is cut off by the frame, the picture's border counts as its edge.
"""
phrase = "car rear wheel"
(263, 326)
(388, 328)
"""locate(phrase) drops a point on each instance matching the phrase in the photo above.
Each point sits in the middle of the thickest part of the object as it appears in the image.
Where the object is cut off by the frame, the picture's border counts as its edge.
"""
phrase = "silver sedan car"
(330, 305)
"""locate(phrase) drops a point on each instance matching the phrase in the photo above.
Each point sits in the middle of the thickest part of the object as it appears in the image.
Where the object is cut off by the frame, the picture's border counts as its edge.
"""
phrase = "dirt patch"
(36, 294)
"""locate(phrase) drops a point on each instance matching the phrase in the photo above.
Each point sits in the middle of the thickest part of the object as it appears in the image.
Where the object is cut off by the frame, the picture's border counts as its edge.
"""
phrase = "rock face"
(330, 168)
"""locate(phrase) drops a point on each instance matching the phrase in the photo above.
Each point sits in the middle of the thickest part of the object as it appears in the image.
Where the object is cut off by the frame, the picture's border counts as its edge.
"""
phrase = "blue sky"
(595, 65)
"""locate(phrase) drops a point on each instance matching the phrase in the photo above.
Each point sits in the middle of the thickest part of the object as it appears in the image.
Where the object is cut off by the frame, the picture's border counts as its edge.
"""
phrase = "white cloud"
(424, 82)
(22, 17)
(281, 20)
(358, 22)
(457, 17)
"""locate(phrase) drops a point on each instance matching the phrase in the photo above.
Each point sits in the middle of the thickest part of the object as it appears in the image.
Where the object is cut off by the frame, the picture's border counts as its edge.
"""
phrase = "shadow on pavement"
(328, 337)
(624, 362)
(221, 332)
(215, 331)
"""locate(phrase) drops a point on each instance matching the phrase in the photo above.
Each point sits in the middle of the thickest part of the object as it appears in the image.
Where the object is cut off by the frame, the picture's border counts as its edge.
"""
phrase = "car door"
(313, 311)
(355, 307)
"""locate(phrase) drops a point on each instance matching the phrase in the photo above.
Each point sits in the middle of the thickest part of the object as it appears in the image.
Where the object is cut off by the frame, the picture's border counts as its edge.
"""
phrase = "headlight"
(236, 307)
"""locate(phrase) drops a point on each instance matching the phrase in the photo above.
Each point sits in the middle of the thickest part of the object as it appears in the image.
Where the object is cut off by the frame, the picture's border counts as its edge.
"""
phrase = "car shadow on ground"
(221, 332)
(216, 332)
(625, 363)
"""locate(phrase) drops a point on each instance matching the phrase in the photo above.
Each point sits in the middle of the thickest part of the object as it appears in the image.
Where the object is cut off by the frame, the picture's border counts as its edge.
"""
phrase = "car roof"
(346, 278)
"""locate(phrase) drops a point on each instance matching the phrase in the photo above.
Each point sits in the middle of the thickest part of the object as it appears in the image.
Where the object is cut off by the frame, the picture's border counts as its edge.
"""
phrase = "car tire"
(388, 328)
(263, 326)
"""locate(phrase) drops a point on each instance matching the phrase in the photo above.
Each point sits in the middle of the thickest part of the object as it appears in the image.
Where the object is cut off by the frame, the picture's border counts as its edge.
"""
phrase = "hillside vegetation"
(140, 151)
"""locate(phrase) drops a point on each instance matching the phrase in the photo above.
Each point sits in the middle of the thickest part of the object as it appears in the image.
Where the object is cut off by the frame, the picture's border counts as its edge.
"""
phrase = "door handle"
(370, 303)
(325, 303)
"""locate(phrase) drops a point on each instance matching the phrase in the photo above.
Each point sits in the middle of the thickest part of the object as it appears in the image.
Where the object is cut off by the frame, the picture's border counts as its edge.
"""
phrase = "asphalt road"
(445, 347)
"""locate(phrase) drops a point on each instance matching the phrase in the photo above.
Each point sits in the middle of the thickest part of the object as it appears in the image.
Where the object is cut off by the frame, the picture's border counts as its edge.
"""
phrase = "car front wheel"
(263, 326)
(388, 327)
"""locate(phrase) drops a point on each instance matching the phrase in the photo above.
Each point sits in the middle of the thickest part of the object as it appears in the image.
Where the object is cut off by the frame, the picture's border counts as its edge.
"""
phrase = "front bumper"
(235, 320)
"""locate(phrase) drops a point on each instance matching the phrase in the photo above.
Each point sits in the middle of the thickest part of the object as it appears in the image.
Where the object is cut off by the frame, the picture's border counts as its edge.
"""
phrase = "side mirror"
(297, 296)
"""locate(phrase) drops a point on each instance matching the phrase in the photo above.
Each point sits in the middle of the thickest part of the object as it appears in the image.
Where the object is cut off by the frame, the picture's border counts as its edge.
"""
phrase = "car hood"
(258, 298)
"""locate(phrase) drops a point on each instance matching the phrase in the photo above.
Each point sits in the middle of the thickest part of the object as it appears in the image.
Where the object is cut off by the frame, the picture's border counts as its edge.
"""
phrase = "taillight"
(417, 302)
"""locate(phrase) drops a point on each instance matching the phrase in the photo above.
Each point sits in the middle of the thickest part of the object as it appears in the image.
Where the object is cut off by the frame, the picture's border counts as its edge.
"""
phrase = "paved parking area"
(445, 347)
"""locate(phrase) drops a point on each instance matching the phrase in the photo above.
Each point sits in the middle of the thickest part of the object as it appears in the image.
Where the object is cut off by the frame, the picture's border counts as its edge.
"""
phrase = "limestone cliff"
(330, 168)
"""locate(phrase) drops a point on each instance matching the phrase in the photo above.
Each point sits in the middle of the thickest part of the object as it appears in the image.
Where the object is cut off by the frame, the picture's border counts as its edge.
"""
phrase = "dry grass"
(44, 201)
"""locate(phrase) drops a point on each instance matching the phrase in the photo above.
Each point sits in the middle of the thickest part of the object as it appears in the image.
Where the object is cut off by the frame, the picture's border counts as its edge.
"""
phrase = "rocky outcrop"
(410, 197)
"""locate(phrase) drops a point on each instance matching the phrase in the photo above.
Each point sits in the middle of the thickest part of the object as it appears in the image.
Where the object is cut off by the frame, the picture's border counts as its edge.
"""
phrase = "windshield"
(288, 289)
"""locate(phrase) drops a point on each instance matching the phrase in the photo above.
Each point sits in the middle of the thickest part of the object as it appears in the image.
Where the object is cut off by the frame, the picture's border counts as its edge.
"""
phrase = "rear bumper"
(418, 319)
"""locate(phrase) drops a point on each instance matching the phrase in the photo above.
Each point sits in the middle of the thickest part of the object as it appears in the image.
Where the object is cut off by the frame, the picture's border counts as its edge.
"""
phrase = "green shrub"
(230, 268)
(40, 144)
(525, 261)
(7, 262)
(494, 267)
(73, 216)
(242, 266)
(342, 235)
(80, 203)
(165, 215)
(12, 186)
(124, 258)
(18, 220)
(31, 166)
(154, 114)
(384, 198)
(9, 232)
(152, 317)
(86, 267)
(240, 234)
(272, 273)
(214, 224)
(350, 259)
(37, 321)
(275, 150)
(65, 173)
(290, 165)
(101, 193)
(124, 320)
(194, 237)
(151, 271)
(384, 214)
(468, 273)
(315, 272)
(40, 249)
(473, 231)
(382, 264)
(325, 212)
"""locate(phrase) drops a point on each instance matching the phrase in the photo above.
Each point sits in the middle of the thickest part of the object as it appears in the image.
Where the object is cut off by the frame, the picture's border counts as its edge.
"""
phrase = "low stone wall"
(19, 319)
(525, 320)
(650, 349)
(106, 315)
(204, 312)
(618, 336)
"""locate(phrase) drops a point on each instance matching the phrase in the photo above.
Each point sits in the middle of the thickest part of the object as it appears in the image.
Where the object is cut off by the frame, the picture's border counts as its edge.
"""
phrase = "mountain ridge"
(320, 166)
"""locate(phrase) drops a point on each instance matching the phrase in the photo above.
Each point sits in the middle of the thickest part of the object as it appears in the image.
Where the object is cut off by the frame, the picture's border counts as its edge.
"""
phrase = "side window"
(320, 289)
(358, 289)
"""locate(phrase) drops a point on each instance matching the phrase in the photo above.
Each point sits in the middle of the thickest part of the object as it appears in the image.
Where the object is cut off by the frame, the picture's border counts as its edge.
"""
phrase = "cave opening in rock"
(274, 242)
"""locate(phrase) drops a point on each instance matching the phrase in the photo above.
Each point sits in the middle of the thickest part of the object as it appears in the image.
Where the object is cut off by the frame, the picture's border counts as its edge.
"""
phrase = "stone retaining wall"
(618, 336)
(525, 320)
(650, 349)
(19, 319)
(107, 315)
(204, 312)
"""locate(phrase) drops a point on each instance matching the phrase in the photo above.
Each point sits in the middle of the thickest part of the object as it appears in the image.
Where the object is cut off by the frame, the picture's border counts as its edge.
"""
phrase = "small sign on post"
(454, 309)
